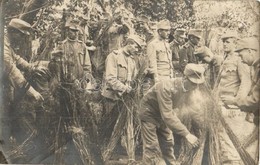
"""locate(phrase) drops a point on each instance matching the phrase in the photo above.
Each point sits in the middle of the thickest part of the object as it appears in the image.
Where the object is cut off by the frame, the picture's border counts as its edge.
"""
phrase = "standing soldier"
(187, 52)
(159, 54)
(233, 81)
(76, 59)
(19, 122)
(248, 50)
(178, 41)
(120, 74)
(158, 116)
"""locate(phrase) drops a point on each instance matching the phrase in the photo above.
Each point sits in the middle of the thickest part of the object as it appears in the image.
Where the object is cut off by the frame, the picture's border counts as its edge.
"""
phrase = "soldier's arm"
(183, 58)
(245, 79)
(16, 77)
(111, 74)
(151, 53)
(251, 100)
(87, 62)
(168, 115)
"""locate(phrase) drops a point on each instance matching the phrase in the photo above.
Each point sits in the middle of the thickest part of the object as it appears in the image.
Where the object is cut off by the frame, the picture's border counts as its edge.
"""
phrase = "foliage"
(240, 16)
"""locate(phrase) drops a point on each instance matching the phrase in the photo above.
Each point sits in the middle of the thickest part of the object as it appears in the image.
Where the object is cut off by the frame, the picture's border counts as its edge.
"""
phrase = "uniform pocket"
(162, 55)
(122, 72)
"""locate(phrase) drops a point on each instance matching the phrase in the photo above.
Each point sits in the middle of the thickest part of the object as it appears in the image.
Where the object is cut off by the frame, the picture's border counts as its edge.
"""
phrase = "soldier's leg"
(165, 137)
(151, 149)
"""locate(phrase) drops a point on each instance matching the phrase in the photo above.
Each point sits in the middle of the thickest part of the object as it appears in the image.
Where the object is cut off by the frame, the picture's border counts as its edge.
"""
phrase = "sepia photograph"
(129, 82)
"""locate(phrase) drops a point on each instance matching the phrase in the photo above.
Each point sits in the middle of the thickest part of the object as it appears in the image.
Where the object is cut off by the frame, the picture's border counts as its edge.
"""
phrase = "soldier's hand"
(193, 140)
(128, 89)
(229, 100)
(36, 95)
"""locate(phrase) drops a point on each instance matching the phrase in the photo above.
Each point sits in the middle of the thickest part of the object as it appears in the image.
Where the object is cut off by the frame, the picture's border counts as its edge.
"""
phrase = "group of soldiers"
(172, 68)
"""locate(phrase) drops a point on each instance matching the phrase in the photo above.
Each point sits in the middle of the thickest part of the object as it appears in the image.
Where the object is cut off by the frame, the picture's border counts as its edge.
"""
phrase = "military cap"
(143, 18)
(137, 39)
(195, 73)
(247, 43)
(20, 25)
(180, 33)
(229, 34)
(195, 32)
(164, 24)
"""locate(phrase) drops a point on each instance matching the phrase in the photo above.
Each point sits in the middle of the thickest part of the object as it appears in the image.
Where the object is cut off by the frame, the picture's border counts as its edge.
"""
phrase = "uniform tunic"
(120, 69)
(235, 77)
(251, 102)
(12, 65)
(160, 59)
(159, 119)
(76, 61)
(187, 55)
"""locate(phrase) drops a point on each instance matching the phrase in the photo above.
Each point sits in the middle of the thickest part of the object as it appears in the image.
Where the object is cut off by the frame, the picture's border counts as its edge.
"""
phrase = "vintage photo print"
(129, 82)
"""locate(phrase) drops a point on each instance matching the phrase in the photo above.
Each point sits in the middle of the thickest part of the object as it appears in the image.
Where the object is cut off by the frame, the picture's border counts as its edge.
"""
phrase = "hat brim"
(195, 36)
(164, 28)
(197, 80)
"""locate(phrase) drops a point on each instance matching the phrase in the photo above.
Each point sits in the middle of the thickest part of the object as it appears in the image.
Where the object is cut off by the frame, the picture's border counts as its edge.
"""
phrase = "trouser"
(154, 137)
(229, 154)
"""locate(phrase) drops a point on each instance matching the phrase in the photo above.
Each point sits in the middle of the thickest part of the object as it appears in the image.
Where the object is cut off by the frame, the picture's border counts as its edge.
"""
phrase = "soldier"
(158, 115)
(18, 122)
(117, 32)
(233, 81)
(159, 54)
(76, 60)
(187, 52)
(13, 63)
(248, 51)
(178, 41)
(119, 76)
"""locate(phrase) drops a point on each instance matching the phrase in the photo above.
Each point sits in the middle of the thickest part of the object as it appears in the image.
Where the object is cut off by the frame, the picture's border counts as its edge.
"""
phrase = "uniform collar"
(191, 44)
(126, 53)
(256, 62)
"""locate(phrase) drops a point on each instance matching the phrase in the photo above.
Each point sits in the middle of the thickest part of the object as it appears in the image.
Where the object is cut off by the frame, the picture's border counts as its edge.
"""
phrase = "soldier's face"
(194, 40)
(247, 56)
(164, 33)
(180, 40)
(72, 34)
(229, 45)
(133, 48)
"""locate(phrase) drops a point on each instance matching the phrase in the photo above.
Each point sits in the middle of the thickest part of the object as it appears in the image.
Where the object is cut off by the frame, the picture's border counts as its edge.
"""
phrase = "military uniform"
(76, 61)
(187, 55)
(158, 115)
(175, 47)
(251, 102)
(11, 64)
(120, 70)
(235, 81)
(116, 36)
(235, 77)
(160, 59)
